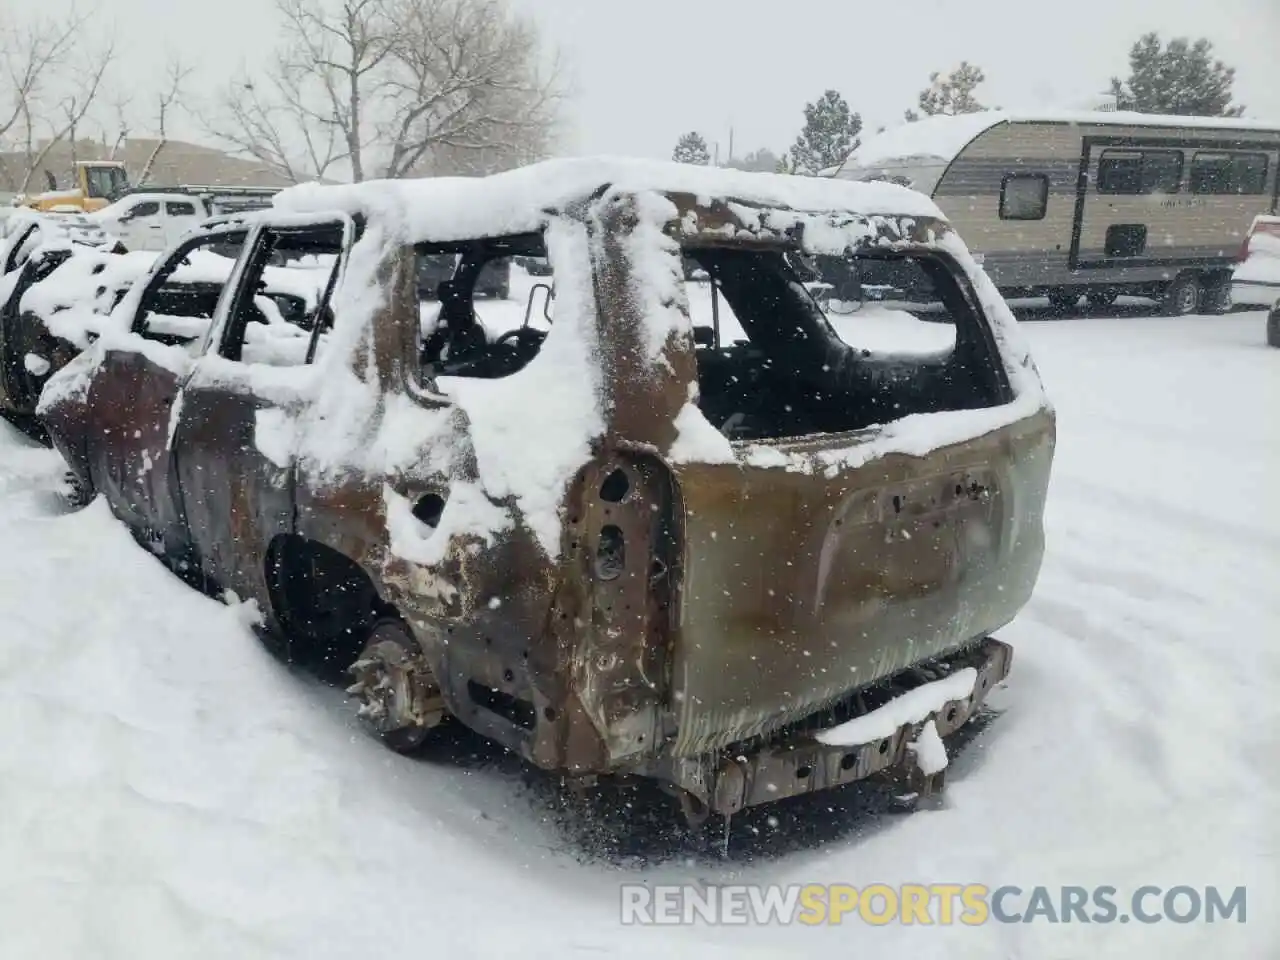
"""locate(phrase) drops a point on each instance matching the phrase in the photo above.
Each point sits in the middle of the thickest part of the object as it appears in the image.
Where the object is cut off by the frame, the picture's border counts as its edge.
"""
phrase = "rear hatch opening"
(901, 335)
(830, 569)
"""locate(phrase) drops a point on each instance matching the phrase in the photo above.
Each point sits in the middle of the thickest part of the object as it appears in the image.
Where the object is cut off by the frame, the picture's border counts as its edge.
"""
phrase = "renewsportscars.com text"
(941, 904)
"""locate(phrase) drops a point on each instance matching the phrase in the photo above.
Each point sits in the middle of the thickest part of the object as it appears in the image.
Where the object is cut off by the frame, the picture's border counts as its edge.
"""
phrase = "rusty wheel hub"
(398, 696)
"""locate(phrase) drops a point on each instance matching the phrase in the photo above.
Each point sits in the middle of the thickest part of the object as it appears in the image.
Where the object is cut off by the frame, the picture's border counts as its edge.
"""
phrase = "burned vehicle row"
(733, 553)
(57, 295)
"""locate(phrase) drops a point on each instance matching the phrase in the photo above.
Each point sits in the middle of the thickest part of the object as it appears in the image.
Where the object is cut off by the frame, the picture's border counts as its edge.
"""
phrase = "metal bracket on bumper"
(807, 765)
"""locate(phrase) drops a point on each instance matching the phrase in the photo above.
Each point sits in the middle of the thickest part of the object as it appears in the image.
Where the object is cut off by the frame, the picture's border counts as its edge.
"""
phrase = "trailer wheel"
(1215, 299)
(1063, 301)
(1273, 326)
(1182, 296)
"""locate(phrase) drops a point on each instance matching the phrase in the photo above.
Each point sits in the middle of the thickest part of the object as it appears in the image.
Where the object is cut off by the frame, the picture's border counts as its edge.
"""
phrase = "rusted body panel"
(692, 606)
(853, 577)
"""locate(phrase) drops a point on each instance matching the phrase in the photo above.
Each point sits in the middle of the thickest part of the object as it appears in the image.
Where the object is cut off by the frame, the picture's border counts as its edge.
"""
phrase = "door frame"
(214, 346)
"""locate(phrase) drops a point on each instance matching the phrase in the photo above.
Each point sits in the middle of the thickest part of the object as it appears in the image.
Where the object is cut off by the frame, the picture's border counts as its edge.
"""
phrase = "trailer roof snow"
(940, 139)
(442, 209)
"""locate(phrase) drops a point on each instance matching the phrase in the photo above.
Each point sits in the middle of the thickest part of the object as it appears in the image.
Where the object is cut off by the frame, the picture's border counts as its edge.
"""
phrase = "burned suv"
(691, 532)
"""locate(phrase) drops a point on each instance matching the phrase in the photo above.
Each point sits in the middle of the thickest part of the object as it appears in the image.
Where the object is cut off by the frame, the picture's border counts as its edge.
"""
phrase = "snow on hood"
(441, 209)
(76, 297)
(79, 298)
(53, 228)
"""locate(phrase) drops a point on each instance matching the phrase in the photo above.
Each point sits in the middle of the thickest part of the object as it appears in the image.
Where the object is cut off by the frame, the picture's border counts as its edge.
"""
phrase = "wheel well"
(324, 601)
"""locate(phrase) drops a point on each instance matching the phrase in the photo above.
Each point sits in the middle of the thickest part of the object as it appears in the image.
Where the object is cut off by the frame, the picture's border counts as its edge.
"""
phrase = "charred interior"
(784, 371)
(794, 375)
(180, 312)
(454, 342)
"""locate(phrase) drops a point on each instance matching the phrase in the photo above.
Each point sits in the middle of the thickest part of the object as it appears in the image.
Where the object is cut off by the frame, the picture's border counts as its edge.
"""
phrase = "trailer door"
(1126, 208)
(1168, 203)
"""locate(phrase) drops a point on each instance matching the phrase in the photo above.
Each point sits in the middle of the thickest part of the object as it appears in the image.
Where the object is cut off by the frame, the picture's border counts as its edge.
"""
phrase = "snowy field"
(168, 790)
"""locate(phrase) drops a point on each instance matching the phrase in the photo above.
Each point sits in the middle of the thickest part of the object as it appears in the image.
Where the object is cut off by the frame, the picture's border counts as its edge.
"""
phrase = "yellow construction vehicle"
(96, 184)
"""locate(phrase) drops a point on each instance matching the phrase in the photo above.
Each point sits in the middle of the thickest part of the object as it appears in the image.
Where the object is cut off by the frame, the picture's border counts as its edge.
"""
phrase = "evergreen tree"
(952, 96)
(692, 148)
(830, 134)
(1182, 79)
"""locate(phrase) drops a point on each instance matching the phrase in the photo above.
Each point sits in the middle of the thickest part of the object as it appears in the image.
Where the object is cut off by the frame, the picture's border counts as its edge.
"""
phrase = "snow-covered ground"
(168, 790)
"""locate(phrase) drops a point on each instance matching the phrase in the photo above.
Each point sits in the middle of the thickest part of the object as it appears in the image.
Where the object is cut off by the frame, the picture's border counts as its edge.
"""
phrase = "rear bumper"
(883, 742)
(1255, 293)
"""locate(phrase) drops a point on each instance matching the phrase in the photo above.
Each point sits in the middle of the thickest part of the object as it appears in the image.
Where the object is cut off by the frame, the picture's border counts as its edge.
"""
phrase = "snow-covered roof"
(940, 139)
(54, 227)
(454, 208)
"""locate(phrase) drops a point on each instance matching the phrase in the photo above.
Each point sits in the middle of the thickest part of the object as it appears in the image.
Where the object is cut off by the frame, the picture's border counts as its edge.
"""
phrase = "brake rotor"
(399, 699)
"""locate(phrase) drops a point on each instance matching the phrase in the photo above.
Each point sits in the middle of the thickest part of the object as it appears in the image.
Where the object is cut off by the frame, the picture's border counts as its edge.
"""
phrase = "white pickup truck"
(157, 220)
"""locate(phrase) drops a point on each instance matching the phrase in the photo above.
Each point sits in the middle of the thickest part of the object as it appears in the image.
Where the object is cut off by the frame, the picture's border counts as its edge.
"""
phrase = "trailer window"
(1161, 171)
(1229, 173)
(1137, 172)
(1024, 196)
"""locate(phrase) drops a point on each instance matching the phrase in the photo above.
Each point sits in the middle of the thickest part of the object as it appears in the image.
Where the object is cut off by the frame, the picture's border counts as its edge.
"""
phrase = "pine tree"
(692, 148)
(952, 96)
(1182, 79)
(830, 134)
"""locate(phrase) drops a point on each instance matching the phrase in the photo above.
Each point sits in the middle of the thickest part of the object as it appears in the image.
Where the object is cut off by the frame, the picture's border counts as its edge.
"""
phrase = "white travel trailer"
(1091, 204)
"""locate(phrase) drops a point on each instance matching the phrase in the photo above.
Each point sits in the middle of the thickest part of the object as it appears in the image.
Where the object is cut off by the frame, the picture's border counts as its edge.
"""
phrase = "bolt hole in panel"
(611, 553)
(616, 486)
(429, 509)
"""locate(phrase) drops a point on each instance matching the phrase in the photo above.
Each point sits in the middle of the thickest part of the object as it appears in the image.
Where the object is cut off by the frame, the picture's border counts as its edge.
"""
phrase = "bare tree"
(49, 81)
(29, 55)
(466, 89)
(83, 90)
(304, 115)
(387, 88)
(169, 99)
(120, 105)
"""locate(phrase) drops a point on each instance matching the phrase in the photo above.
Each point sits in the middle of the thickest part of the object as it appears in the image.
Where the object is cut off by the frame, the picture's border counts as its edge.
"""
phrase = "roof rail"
(210, 190)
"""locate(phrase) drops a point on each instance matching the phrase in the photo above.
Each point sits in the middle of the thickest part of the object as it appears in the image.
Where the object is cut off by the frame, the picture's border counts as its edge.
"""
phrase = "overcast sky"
(644, 71)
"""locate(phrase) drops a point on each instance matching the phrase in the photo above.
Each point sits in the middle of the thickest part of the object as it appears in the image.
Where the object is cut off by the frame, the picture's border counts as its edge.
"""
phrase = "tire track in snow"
(1085, 491)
